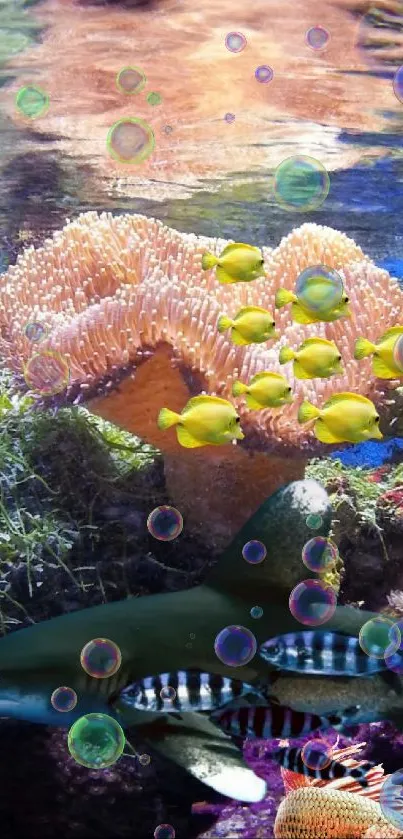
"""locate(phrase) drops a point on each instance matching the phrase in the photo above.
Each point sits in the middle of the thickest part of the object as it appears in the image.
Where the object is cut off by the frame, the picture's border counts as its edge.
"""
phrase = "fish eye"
(352, 710)
(288, 390)
(237, 419)
(339, 358)
(261, 262)
(346, 299)
(376, 419)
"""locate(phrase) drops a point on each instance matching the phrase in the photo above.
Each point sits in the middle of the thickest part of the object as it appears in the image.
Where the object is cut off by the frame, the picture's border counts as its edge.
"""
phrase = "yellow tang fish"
(315, 358)
(238, 263)
(385, 357)
(344, 418)
(204, 421)
(251, 325)
(318, 296)
(265, 390)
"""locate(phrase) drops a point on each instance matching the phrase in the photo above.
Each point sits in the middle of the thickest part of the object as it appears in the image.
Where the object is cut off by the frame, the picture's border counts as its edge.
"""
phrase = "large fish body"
(184, 690)
(291, 758)
(319, 653)
(270, 721)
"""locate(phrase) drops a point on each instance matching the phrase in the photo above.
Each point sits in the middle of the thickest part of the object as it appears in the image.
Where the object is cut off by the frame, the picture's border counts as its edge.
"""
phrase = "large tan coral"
(127, 304)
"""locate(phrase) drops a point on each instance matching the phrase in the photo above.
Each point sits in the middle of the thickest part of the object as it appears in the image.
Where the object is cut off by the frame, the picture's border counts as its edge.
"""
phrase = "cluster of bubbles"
(32, 102)
(96, 741)
(301, 183)
(313, 602)
(100, 658)
(47, 373)
(235, 646)
(164, 831)
(130, 139)
(165, 523)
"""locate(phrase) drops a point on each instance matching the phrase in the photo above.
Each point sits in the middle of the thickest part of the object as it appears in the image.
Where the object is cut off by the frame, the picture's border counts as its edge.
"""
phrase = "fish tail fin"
(286, 354)
(224, 323)
(209, 261)
(363, 348)
(166, 419)
(283, 297)
(307, 412)
(238, 388)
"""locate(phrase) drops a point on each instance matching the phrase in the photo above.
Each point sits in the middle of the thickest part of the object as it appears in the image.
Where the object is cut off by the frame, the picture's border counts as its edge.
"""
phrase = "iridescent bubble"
(168, 693)
(32, 102)
(391, 799)
(165, 523)
(254, 552)
(312, 602)
(301, 183)
(317, 754)
(96, 741)
(256, 612)
(314, 521)
(319, 288)
(398, 353)
(100, 658)
(47, 372)
(398, 84)
(35, 331)
(154, 98)
(164, 831)
(235, 41)
(168, 129)
(317, 37)
(235, 646)
(130, 140)
(64, 699)
(319, 554)
(144, 759)
(130, 80)
(394, 661)
(380, 637)
(264, 74)
(229, 117)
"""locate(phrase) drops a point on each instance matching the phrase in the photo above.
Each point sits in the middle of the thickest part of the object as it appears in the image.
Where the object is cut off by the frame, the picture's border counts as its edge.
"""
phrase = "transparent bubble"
(256, 612)
(394, 660)
(229, 117)
(165, 523)
(154, 98)
(312, 602)
(164, 831)
(130, 80)
(314, 521)
(317, 37)
(301, 183)
(47, 373)
(380, 637)
(319, 288)
(391, 799)
(32, 102)
(235, 41)
(254, 552)
(264, 74)
(35, 331)
(168, 693)
(317, 754)
(168, 129)
(100, 658)
(235, 646)
(64, 699)
(319, 554)
(96, 741)
(130, 140)
(398, 84)
(144, 759)
(398, 353)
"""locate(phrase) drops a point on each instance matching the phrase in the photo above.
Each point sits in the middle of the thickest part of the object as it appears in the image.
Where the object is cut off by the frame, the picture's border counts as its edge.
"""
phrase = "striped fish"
(270, 721)
(320, 653)
(184, 690)
(291, 758)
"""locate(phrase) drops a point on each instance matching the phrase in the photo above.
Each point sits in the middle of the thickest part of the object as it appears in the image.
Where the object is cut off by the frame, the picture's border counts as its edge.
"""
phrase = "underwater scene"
(201, 419)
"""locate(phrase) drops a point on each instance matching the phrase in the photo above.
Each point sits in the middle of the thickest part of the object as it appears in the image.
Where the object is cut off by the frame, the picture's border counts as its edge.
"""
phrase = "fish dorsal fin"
(274, 376)
(309, 341)
(341, 397)
(246, 310)
(204, 399)
(395, 330)
(235, 246)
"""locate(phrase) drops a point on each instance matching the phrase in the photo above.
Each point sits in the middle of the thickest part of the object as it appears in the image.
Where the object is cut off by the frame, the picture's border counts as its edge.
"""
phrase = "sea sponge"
(127, 304)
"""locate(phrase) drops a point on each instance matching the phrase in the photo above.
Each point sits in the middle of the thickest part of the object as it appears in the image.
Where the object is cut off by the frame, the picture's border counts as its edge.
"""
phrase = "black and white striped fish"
(291, 758)
(184, 690)
(320, 653)
(270, 721)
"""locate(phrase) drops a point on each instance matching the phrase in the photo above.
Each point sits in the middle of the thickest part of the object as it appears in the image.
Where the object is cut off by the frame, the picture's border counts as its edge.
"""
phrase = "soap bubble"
(235, 41)
(319, 554)
(301, 183)
(164, 831)
(312, 602)
(398, 84)
(319, 288)
(35, 331)
(144, 759)
(154, 98)
(168, 693)
(47, 373)
(64, 699)
(264, 74)
(317, 754)
(229, 117)
(165, 523)
(130, 80)
(235, 646)
(380, 637)
(394, 661)
(314, 521)
(398, 353)
(130, 140)
(256, 612)
(317, 37)
(100, 658)
(32, 102)
(391, 799)
(254, 552)
(96, 741)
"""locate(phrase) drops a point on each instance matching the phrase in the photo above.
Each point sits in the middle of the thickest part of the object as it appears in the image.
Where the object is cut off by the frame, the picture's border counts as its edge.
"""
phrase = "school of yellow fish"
(319, 297)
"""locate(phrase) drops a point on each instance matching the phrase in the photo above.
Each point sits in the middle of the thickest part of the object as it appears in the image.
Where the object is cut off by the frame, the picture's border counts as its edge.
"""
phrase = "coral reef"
(126, 302)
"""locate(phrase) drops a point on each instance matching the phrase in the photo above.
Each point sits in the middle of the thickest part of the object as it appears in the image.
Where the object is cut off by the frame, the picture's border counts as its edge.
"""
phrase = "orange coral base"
(216, 488)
